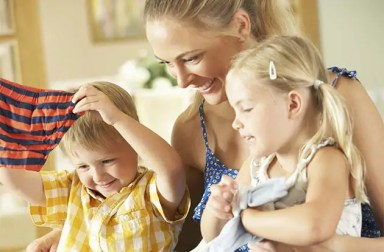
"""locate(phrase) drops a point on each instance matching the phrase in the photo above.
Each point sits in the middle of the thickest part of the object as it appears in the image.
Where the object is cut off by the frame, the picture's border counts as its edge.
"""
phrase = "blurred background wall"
(55, 37)
(69, 49)
(352, 36)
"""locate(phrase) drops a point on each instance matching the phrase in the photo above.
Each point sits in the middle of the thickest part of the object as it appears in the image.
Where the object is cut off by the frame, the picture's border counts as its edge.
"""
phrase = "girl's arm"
(27, 184)
(154, 150)
(315, 220)
(218, 210)
(369, 139)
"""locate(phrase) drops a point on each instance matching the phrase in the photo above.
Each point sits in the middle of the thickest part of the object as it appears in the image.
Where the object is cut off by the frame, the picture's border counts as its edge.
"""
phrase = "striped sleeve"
(32, 123)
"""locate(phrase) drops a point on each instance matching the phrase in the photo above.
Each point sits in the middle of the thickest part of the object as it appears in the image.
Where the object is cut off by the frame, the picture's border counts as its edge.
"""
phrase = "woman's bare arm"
(369, 138)
(46, 243)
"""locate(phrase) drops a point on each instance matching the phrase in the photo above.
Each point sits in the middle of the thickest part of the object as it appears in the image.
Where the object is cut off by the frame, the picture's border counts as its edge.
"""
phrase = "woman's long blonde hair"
(267, 17)
(298, 65)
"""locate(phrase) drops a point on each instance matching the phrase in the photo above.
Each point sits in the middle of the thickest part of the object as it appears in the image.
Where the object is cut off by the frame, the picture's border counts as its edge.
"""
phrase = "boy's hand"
(90, 98)
(222, 195)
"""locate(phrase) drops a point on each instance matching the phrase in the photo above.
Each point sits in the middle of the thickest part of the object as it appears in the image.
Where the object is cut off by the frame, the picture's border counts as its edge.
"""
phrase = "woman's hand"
(271, 246)
(222, 195)
(263, 246)
(46, 243)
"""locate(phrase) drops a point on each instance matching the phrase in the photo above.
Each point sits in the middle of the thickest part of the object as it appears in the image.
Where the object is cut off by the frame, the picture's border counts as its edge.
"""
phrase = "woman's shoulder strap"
(202, 122)
(342, 72)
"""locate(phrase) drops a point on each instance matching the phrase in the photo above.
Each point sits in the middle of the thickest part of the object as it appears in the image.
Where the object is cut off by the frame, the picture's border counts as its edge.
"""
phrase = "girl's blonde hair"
(267, 17)
(90, 131)
(298, 65)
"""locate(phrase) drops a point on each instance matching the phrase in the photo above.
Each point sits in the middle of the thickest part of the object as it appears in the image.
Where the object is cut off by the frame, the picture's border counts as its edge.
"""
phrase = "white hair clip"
(317, 83)
(272, 71)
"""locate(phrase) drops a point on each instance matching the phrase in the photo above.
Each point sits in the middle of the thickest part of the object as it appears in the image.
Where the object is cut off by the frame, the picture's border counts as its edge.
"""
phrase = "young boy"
(109, 203)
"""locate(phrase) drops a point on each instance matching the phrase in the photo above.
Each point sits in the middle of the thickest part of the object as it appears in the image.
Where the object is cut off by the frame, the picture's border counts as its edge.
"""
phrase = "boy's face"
(106, 170)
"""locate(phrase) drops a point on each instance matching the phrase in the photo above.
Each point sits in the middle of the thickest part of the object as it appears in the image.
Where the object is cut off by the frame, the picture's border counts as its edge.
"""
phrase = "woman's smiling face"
(197, 59)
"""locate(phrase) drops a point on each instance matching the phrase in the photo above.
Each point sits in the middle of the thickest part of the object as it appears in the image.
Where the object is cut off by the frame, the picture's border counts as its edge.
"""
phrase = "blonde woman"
(197, 40)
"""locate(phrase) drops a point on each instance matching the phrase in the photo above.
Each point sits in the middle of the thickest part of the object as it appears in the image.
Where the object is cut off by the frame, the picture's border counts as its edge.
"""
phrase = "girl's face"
(262, 117)
(197, 59)
(106, 170)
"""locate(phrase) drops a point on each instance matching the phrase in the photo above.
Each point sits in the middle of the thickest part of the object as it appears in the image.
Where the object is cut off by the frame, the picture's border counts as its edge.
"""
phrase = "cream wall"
(352, 36)
(68, 47)
(351, 31)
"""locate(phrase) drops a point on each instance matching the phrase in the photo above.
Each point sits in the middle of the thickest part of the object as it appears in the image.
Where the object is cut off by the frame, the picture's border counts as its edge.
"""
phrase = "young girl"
(197, 40)
(297, 127)
(109, 203)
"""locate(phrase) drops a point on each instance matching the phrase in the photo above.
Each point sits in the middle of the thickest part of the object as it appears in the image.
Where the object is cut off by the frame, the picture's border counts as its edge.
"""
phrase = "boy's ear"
(295, 103)
(242, 24)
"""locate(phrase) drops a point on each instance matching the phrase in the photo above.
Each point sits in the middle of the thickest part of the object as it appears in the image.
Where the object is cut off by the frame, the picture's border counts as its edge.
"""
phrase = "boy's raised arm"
(155, 151)
(160, 157)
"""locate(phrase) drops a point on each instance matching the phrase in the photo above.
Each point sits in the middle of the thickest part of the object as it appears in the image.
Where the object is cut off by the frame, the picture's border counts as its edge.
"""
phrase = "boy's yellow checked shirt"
(131, 220)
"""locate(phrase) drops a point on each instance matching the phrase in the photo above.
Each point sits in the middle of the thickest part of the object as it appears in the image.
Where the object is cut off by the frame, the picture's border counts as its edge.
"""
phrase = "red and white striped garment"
(32, 123)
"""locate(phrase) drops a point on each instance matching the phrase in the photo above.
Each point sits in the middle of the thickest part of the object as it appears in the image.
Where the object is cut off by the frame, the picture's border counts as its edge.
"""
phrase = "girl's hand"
(89, 98)
(222, 195)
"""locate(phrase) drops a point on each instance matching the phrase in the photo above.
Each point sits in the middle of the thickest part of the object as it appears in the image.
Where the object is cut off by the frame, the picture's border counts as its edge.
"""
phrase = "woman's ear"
(295, 104)
(242, 24)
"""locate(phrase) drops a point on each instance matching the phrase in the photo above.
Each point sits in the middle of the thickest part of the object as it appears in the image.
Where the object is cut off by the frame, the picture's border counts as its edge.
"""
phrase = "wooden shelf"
(306, 12)
(28, 59)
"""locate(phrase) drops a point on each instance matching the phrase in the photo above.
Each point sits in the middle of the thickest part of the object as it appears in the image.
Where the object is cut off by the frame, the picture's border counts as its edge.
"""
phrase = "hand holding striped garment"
(32, 123)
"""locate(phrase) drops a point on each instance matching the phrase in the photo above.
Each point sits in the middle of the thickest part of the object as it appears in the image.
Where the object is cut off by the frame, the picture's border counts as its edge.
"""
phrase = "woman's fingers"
(263, 246)
(46, 243)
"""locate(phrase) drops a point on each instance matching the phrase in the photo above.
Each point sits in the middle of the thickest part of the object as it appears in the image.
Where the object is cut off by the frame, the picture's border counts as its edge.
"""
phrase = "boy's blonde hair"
(267, 17)
(298, 65)
(90, 131)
